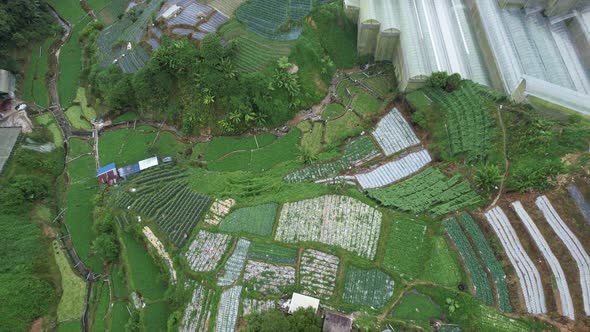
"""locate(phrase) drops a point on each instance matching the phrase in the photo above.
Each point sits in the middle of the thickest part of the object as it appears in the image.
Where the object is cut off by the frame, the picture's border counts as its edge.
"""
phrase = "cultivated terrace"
(191, 165)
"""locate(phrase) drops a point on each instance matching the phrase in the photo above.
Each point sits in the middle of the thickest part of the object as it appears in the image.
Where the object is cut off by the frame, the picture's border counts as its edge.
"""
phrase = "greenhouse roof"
(526, 43)
(436, 35)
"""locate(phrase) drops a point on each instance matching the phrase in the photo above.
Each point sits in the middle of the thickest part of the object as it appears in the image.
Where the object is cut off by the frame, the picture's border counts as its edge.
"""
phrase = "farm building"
(515, 49)
(8, 137)
(7, 84)
(299, 301)
(107, 174)
(335, 322)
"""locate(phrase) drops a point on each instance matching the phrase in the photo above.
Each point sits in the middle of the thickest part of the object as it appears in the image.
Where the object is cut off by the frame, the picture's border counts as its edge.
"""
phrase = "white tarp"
(147, 163)
(303, 301)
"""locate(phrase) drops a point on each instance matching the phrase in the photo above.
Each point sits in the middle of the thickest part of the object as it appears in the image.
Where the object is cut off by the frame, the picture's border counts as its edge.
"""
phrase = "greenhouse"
(389, 30)
(513, 47)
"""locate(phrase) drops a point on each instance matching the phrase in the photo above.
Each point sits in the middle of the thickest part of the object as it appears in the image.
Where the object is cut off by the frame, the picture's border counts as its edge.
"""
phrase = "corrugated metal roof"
(128, 170)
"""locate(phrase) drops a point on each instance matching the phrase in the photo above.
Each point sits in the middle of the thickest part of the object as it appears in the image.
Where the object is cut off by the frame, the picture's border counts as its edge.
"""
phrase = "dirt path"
(506, 162)
(53, 76)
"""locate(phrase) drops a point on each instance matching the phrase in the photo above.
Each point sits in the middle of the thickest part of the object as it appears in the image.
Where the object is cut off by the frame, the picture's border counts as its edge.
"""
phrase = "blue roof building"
(108, 174)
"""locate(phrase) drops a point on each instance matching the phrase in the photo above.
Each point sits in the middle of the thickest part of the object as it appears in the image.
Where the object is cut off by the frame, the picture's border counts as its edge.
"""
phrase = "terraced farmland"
(490, 261)
(272, 253)
(234, 265)
(477, 273)
(394, 171)
(206, 250)
(372, 288)
(268, 278)
(227, 313)
(317, 273)
(198, 313)
(567, 306)
(356, 152)
(258, 220)
(573, 245)
(528, 275)
(394, 134)
(335, 220)
(429, 191)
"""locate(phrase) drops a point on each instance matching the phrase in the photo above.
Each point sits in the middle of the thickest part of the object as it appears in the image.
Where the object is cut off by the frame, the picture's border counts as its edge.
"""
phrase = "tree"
(453, 82)
(306, 156)
(438, 79)
(488, 177)
(106, 247)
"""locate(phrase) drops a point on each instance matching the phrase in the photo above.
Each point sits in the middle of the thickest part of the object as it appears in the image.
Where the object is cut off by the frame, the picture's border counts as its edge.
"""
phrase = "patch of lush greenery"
(76, 118)
(443, 267)
(70, 62)
(303, 320)
(366, 104)
(47, 120)
(144, 274)
(332, 111)
(340, 129)
(26, 294)
(417, 308)
(155, 316)
(71, 303)
(258, 220)
(120, 316)
(102, 307)
(125, 117)
(78, 146)
(34, 81)
(284, 149)
(70, 326)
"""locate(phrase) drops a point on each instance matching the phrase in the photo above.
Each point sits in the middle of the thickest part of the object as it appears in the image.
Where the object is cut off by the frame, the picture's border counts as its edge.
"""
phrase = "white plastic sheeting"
(573, 245)
(528, 275)
(394, 134)
(394, 170)
(567, 306)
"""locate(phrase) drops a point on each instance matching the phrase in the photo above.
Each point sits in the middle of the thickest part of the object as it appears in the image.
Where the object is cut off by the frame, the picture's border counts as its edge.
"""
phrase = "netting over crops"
(274, 18)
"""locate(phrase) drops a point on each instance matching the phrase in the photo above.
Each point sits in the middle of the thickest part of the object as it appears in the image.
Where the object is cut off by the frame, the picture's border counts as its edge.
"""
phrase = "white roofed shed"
(147, 163)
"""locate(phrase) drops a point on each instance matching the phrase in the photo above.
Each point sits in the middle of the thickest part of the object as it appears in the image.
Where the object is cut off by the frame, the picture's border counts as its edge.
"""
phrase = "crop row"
(573, 245)
(272, 253)
(567, 306)
(477, 273)
(257, 220)
(268, 278)
(394, 170)
(528, 275)
(206, 250)
(317, 273)
(234, 265)
(490, 261)
(175, 208)
(356, 152)
(218, 210)
(394, 134)
(227, 313)
(372, 288)
(430, 191)
(250, 306)
(334, 220)
(468, 120)
(197, 315)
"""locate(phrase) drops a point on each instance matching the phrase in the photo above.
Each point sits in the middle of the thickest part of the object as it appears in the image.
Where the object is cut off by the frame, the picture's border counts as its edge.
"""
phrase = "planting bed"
(227, 313)
(317, 273)
(218, 210)
(477, 273)
(268, 278)
(206, 250)
(528, 275)
(356, 152)
(234, 265)
(335, 220)
(394, 134)
(372, 288)
(272, 253)
(573, 245)
(567, 306)
(490, 261)
(430, 191)
(175, 208)
(197, 315)
(406, 238)
(257, 220)
(394, 170)
(250, 306)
